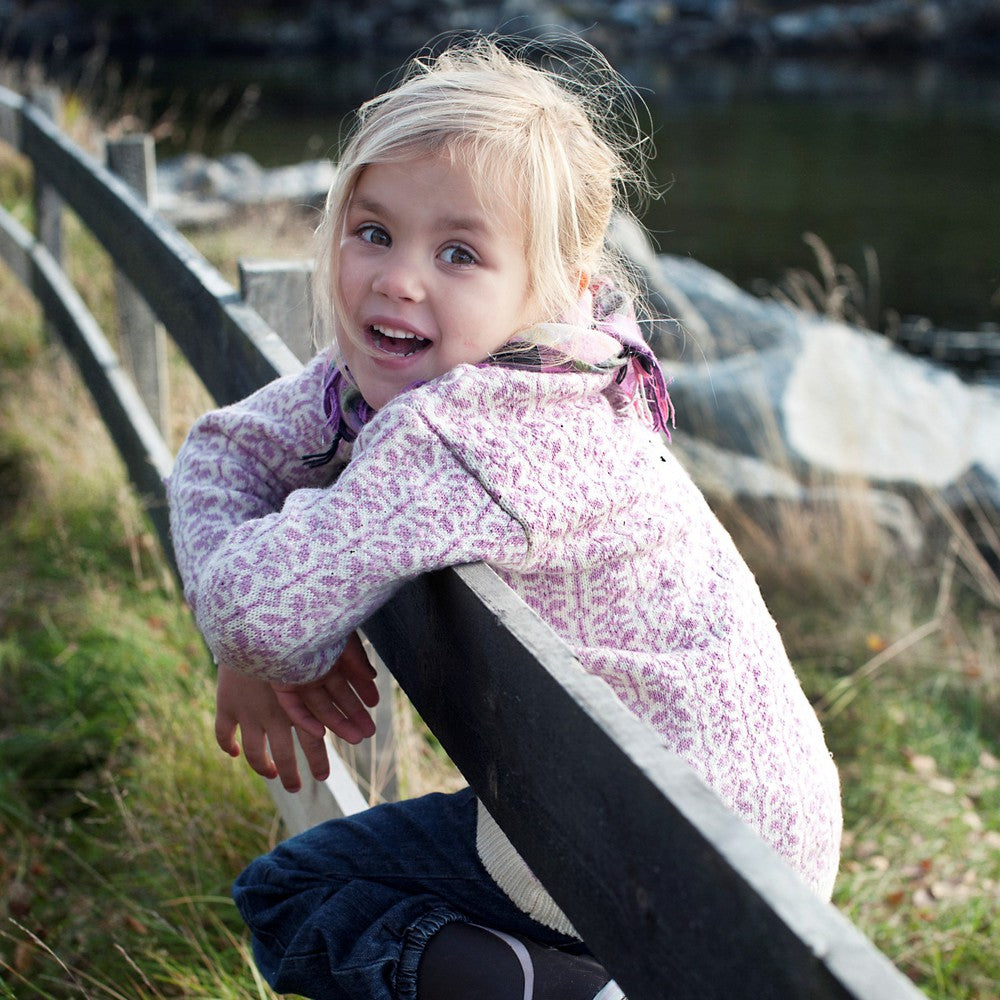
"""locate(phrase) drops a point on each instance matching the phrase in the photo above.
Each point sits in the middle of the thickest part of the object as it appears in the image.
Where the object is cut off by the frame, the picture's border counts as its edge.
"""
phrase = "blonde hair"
(559, 129)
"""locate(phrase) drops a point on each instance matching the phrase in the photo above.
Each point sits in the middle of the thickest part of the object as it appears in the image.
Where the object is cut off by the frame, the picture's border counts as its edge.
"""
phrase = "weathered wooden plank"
(46, 101)
(228, 344)
(673, 891)
(11, 109)
(281, 291)
(15, 247)
(142, 340)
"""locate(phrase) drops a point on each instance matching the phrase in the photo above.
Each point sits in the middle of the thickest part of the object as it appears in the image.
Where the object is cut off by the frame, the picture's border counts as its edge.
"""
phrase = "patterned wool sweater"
(552, 480)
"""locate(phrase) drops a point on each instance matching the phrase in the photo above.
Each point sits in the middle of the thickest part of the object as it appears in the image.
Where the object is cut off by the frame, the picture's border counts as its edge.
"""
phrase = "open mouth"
(400, 343)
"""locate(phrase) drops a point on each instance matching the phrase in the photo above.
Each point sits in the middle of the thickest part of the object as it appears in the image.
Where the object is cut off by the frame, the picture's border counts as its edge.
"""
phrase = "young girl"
(487, 397)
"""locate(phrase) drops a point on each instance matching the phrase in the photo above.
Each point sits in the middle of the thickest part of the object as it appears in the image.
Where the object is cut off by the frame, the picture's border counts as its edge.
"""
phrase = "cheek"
(348, 277)
(344, 346)
(348, 287)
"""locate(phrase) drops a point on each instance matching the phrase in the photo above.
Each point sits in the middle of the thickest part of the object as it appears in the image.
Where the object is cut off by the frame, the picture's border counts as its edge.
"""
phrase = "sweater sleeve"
(277, 582)
(241, 462)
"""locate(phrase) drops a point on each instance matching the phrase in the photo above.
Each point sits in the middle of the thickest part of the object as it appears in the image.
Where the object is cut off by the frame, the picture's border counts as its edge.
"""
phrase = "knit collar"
(610, 342)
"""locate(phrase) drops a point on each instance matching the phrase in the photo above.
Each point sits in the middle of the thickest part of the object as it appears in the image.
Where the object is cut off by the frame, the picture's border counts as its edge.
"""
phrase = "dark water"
(902, 158)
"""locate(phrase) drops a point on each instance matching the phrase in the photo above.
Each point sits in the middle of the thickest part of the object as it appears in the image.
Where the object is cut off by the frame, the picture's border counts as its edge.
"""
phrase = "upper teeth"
(388, 331)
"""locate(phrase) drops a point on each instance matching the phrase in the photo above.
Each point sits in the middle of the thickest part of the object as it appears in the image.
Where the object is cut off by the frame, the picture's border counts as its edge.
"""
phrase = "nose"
(398, 276)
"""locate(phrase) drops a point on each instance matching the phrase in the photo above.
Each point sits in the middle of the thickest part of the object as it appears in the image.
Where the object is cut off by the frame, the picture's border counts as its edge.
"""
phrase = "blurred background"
(874, 125)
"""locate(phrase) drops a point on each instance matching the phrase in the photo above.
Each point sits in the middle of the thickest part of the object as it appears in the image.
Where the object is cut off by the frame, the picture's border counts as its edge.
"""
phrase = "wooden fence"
(675, 894)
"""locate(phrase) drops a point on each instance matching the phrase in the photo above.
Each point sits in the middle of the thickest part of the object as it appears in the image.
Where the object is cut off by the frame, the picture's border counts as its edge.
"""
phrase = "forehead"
(447, 184)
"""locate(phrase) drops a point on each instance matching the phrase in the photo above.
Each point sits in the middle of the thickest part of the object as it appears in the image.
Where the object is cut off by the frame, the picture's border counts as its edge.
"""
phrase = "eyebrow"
(462, 223)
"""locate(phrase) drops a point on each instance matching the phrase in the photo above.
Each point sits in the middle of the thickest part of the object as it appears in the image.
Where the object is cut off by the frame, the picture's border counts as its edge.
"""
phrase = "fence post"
(48, 203)
(143, 341)
(281, 292)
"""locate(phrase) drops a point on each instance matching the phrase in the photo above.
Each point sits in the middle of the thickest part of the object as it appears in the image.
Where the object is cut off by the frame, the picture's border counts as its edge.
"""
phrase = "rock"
(964, 27)
(193, 190)
(899, 23)
(731, 477)
(973, 352)
(712, 10)
(805, 393)
(721, 320)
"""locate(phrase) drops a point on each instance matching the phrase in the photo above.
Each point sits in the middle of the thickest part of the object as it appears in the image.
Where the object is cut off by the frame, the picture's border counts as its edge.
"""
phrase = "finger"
(335, 694)
(282, 748)
(337, 704)
(319, 705)
(315, 751)
(256, 752)
(354, 651)
(299, 714)
(225, 733)
(365, 688)
(356, 667)
(354, 730)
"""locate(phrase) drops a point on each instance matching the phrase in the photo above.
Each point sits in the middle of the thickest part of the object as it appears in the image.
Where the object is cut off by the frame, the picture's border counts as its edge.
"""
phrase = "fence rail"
(671, 890)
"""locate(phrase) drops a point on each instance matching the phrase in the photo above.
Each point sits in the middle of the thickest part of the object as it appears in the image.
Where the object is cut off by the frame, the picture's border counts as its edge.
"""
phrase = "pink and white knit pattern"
(557, 485)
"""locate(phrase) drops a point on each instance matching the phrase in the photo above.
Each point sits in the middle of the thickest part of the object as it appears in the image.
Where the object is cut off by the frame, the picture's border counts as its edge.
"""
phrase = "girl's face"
(432, 274)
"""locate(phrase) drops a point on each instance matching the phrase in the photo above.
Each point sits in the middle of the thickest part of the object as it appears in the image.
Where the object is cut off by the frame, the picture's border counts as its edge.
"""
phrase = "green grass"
(122, 825)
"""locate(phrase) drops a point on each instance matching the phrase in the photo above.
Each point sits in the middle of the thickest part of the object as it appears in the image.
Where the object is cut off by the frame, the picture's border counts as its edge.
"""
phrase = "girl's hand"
(337, 701)
(266, 732)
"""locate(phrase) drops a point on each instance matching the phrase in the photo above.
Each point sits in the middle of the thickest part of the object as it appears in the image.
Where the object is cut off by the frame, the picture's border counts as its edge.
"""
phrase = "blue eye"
(375, 235)
(459, 256)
